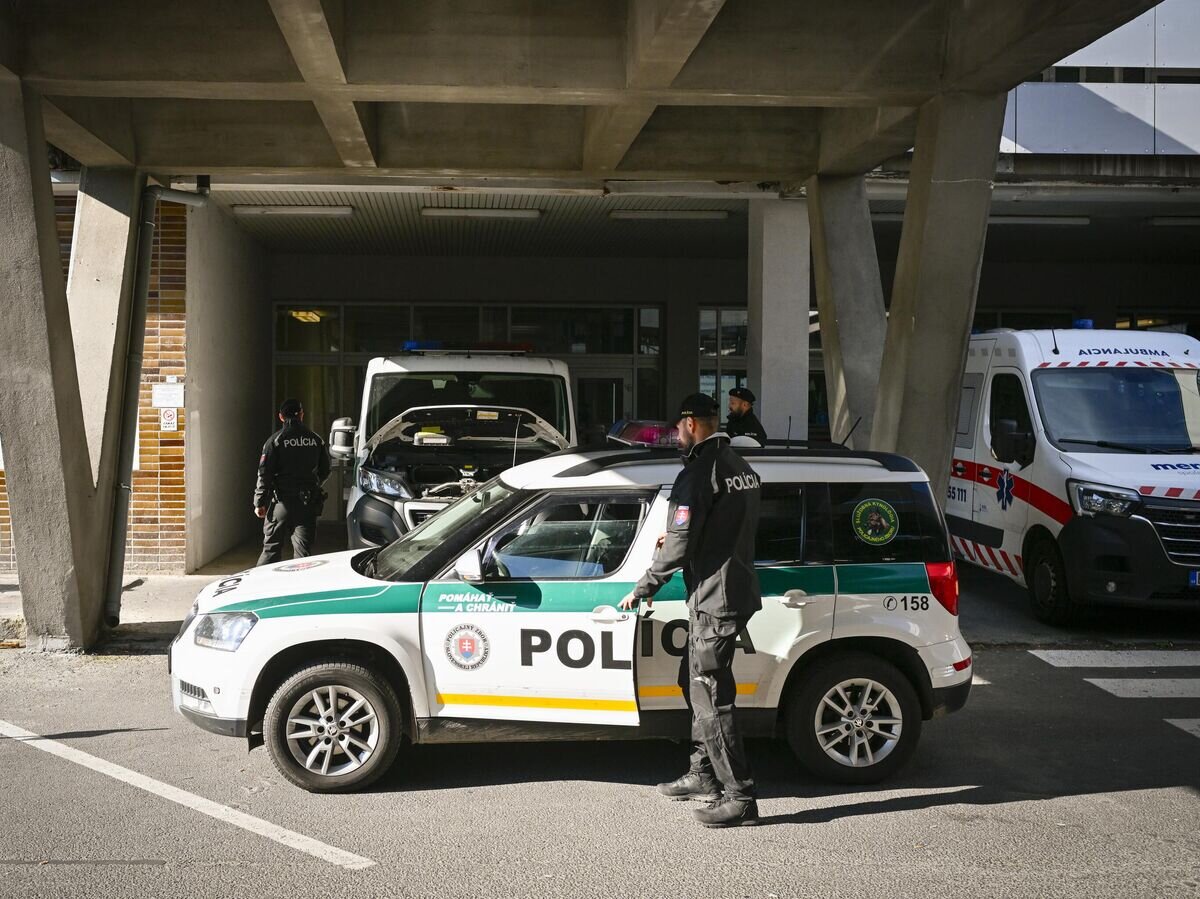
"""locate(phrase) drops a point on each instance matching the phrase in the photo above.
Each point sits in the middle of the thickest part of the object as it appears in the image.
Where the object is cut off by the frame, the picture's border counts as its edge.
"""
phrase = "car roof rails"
(602, 460)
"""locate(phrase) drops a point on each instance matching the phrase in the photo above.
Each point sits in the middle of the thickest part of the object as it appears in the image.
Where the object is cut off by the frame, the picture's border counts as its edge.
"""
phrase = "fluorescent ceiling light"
(1039, 220)
(654, 215)
(322, 211)
(310, 316)
(1179, 221)
(451, 212)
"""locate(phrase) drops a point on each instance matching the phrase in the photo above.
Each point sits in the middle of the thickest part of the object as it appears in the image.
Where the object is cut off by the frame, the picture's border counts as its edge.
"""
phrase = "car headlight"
(1097, 499)
(224, 630)
(371, 481)
(188, 619)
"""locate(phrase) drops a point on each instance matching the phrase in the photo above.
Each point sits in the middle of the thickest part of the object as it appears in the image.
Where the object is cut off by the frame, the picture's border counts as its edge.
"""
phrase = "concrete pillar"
(99, 295)
(778, 301)
(683, 351)
(937, 277)
(41, 422)
(850, 302)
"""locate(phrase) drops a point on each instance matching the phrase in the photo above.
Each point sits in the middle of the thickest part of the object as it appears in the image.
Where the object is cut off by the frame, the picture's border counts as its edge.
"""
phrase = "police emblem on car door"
(535, 634)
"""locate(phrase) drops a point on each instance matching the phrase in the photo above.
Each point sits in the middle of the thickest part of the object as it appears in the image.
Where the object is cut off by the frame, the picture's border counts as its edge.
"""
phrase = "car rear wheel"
(1046, 577)
(853, 718)
(333, 727)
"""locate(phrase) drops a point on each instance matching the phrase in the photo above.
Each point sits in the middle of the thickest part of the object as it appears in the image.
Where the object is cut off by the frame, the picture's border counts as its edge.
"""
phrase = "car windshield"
(478, 509)
(394, 393)
(1120, 410)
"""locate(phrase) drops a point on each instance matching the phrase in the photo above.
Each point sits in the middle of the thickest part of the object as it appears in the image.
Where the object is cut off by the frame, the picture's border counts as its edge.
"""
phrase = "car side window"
(886, 523)
(1008, 401)
(570, 537)
(793, 525)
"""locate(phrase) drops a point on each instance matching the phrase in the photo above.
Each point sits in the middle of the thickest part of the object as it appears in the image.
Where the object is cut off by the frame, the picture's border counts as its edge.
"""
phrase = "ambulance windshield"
(392, 394)
(1120, 410)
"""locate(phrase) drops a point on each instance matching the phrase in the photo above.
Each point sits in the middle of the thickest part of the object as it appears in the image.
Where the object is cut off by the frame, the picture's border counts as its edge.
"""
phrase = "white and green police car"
(498, 619)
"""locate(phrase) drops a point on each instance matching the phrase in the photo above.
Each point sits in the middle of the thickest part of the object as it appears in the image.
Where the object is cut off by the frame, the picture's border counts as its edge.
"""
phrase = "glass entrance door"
(599, 401)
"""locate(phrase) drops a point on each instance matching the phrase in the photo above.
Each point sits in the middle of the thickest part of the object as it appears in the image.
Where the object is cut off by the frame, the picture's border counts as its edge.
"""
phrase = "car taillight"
(943, 583)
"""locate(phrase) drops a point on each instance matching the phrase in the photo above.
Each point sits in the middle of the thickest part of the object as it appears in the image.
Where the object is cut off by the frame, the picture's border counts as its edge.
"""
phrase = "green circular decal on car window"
(875, 522)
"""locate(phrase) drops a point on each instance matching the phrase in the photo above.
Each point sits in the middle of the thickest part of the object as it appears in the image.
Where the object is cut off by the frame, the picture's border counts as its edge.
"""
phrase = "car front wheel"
(333, 727)
(853, 718)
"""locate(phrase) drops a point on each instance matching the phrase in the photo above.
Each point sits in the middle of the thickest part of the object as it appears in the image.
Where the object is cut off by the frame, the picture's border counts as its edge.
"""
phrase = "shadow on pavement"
(137, 639)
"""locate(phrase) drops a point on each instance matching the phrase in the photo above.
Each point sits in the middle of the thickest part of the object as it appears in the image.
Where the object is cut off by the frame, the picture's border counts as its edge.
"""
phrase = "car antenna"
(789, 436)
(516, 437)
(852, 430)
(1054, 337)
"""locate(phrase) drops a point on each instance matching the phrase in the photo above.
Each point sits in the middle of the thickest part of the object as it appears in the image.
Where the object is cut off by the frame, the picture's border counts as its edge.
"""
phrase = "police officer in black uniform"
(742, 420)
(288, 496)
(711, 524)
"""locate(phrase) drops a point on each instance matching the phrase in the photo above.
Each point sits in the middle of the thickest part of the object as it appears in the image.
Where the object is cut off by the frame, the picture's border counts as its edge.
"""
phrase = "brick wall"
(157, 529)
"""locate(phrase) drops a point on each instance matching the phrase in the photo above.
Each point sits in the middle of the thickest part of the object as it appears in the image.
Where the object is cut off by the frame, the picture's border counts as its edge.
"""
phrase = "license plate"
(1194, 578)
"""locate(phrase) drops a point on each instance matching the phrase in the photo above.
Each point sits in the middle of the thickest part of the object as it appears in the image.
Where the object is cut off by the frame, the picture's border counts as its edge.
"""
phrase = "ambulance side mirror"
(469, 567)
(1011, 445)
(341, 439)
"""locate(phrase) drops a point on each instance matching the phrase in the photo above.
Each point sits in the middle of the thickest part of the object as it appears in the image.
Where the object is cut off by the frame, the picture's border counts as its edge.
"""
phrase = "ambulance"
(1076, 469)
(498, 619)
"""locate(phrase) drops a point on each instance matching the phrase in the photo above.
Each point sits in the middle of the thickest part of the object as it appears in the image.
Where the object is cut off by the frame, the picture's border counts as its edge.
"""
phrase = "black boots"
(728, 813)
(692, 786)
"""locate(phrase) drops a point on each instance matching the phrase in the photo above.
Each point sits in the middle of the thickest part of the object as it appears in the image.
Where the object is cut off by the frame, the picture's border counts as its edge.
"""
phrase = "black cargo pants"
(290, 515)
(706, 676)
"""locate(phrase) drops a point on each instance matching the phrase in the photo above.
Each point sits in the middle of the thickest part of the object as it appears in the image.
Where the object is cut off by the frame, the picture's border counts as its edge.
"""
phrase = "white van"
(435, 424)
(1076, 466)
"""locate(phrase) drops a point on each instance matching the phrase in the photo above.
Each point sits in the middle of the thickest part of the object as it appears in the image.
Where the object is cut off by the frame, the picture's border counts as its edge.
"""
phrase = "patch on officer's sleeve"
(682, 515)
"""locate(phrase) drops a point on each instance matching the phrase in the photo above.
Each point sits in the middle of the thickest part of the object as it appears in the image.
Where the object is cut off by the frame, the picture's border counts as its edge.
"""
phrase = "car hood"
(488, 415)
(1165, 475)
(298, 580)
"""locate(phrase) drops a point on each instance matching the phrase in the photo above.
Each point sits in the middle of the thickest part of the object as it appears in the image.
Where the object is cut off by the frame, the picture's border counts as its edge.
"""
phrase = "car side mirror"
(469, 567)
(341, 439)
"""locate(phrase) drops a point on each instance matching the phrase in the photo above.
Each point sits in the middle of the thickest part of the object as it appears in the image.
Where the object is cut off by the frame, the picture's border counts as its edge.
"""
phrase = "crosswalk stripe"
(1119, 658)
(1191, 725)
(1149, 687)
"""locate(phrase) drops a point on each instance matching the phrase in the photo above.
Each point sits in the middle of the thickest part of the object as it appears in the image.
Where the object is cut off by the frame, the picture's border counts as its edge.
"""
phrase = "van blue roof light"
(1083, 324)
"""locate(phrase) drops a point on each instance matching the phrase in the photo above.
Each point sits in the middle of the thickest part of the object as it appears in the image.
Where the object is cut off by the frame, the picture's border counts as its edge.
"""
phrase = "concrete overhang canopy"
(683, 90)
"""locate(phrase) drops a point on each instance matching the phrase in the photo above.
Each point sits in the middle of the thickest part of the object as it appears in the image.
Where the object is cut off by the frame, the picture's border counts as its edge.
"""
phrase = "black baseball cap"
(698, 405)
(743, 393)
(290, 408)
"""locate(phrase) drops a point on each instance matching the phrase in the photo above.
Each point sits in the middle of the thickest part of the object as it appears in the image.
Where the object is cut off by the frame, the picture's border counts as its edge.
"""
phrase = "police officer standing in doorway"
(711, 524)
(742, 420)
(289, 496)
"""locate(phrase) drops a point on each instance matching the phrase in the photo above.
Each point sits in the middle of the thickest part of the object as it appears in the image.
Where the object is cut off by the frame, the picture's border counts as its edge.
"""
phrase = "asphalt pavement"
(1073, 771)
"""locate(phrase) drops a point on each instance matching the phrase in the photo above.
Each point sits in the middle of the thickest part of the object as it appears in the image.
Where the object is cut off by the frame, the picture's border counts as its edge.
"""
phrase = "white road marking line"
(1149, 687)
(290, 838)
(1119, 658)
(977, 681)
(1191, 725)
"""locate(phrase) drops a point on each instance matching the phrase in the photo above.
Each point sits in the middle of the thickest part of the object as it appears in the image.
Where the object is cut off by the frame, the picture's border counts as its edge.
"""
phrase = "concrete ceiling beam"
(98, 135)
(314, 31)
(854, 141)
(660, 36)
(995, 46)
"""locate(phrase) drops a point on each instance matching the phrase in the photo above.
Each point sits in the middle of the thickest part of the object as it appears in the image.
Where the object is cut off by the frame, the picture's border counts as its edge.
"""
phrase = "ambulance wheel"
(1046, 577)
(853, 718)
(333, 727)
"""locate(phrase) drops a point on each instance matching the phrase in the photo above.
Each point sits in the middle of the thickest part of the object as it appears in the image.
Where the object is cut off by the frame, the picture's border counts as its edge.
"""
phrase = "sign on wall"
(164, 396)
(168, 419)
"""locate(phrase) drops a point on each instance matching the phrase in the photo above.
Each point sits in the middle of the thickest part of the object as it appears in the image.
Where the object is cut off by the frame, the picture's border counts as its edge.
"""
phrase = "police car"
(498, 619)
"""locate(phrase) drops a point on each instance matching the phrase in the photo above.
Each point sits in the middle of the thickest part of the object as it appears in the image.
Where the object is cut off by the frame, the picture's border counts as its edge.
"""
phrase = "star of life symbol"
(1004, 490)
(467, 647)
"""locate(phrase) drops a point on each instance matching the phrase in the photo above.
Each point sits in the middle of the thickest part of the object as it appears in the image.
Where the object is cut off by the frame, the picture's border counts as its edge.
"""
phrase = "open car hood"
(492, 424)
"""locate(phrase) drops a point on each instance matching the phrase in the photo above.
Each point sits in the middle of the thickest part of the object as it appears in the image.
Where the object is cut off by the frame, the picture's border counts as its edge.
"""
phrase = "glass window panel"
(708, 381)
(649, 332)
(572, 330)
(317, 387)
(735, 328)
(708, 332)
(493, 324)
(649, 394)
(377, 329)
(456, 325)
(731, 378)
(308, 329)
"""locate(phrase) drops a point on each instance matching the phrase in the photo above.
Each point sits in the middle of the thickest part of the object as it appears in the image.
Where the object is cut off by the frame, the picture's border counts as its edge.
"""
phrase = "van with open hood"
(434, 425)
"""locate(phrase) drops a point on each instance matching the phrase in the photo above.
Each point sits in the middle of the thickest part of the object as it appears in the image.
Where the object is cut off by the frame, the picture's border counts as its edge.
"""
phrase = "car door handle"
(608, 615)
(794, 599)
